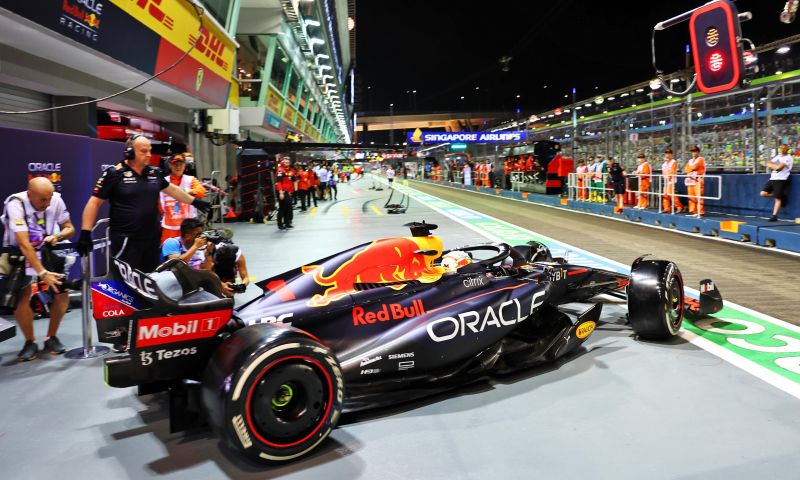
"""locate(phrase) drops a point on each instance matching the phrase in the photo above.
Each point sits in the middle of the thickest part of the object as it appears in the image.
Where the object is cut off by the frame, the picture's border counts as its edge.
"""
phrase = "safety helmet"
(454, 260)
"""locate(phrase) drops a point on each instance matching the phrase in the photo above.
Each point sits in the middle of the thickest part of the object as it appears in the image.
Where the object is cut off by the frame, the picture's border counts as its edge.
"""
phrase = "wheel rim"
(675, 303)
(289, 402)
(282, 397)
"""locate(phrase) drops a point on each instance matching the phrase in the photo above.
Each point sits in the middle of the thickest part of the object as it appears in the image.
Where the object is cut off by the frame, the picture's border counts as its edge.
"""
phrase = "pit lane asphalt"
(619, 409)
(758, 278)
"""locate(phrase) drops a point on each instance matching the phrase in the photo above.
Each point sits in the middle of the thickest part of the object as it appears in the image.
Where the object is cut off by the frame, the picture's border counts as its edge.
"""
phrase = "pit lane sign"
(466, 137)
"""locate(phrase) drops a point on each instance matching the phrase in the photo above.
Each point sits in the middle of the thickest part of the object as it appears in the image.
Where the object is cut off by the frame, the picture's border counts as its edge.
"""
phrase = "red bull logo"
(391, 311)
(382, 261)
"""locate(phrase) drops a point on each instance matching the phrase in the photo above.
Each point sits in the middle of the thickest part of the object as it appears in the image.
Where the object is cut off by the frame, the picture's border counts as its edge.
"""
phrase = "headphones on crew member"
(130, 154)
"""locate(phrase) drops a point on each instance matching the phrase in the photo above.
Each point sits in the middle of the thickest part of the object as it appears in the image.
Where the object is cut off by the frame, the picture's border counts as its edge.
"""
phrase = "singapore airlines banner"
(419, 136)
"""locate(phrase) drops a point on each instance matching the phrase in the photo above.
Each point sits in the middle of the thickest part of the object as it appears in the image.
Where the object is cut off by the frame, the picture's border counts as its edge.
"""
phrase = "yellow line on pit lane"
(313, 212)
(345, 211)
(375, 209)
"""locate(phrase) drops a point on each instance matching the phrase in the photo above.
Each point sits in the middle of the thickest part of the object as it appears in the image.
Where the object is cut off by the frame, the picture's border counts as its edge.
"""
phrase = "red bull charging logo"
(382, 261)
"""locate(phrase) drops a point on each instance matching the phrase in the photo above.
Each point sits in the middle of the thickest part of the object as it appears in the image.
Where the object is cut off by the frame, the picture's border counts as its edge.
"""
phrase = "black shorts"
(777, 188)
(619, 188)
(390, 180)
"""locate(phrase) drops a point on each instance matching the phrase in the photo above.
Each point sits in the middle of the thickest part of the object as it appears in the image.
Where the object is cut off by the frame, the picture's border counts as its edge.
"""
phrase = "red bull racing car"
(374, 325)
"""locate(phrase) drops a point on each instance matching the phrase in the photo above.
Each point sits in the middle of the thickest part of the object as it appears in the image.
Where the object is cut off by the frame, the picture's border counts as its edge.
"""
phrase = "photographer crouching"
(30, 219)
(208, 250)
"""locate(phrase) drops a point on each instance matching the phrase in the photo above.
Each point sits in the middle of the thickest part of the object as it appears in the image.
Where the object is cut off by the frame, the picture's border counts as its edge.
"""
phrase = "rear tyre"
(273, 393)
(655, 299)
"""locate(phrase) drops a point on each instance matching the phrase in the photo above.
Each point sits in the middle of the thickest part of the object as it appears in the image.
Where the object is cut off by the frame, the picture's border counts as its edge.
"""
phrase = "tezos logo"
(146, 358)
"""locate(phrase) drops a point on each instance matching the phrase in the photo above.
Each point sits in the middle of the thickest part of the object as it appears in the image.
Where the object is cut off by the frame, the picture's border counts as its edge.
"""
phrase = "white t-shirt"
(323, 175)
(782, 174)
(37, 224)
(390, 173)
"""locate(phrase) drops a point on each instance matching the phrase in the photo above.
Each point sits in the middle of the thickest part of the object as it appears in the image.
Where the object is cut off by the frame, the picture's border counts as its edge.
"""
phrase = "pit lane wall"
(735, 216)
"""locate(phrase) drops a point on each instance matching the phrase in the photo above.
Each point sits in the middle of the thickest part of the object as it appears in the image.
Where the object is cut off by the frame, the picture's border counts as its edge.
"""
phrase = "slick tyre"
(655, 299)
(273, 393)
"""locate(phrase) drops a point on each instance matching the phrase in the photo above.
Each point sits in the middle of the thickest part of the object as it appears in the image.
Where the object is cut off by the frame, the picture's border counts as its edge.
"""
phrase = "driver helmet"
(454, 260)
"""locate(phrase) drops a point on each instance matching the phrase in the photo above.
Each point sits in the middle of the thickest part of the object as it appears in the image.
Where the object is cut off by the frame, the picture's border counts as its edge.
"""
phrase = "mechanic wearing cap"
(695, 169)
(303, 185)
(286, 184)
(132, 187)
(643, 172)
(778, 185)
(174, 212)
(669, 172)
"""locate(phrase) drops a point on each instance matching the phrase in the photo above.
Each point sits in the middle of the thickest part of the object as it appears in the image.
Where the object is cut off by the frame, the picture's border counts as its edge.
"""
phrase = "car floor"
(621, 408)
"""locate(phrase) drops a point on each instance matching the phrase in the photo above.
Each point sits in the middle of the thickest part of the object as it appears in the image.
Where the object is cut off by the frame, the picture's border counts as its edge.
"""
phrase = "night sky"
(445, 49)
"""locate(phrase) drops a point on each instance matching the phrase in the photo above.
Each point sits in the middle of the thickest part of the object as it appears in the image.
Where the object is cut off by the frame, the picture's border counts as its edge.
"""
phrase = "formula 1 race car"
(379, 324)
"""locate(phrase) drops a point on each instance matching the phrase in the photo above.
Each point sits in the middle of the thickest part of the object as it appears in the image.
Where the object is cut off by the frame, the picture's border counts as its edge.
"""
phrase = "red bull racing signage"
(466, 137)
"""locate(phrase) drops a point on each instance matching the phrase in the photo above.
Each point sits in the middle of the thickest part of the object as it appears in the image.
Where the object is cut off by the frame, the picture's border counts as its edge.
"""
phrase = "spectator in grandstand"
(669, 172)
(695, 170)
(581, 174)
(617, 176)
(643, 173)
(778, 185)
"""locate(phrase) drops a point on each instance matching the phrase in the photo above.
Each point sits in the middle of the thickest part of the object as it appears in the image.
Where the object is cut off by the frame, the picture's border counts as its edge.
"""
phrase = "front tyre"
(273, 393)
(655, 299)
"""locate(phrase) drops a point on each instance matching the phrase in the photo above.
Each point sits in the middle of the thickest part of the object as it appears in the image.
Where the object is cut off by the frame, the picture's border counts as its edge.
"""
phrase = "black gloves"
(201, 205)
(84, 245)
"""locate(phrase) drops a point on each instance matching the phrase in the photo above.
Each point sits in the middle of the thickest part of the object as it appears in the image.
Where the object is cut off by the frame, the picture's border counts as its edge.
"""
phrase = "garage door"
(16, 99)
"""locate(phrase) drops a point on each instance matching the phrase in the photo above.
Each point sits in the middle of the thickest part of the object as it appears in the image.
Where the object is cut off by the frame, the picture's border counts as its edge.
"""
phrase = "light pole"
(391, 124)
(415, 99)
(518, 107)
(574, 123)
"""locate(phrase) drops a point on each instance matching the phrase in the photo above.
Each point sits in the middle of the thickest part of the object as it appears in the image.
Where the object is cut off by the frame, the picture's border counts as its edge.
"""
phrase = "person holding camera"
(191, 247)
(132, 187)
(33, 219)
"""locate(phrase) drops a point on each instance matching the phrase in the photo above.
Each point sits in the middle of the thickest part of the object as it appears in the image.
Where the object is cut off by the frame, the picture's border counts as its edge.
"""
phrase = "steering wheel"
(503, 250)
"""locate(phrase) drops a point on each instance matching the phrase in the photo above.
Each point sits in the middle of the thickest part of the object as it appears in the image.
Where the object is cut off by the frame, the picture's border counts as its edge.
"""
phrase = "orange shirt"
(695, 168)
(669, 169)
